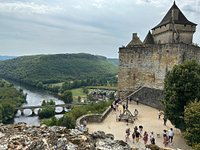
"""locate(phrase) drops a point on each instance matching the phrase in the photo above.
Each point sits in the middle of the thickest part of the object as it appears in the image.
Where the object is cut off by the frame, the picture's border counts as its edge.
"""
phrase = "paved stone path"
(148, 118)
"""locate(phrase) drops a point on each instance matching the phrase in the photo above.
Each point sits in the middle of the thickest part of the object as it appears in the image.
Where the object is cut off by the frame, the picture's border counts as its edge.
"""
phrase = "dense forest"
(10, 98)
(47, 69)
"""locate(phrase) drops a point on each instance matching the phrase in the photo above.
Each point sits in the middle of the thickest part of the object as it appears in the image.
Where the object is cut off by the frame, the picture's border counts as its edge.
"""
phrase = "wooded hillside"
(56, 68)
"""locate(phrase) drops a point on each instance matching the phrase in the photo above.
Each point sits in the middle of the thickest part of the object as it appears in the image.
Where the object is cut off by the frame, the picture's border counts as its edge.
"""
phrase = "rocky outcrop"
(25, 137)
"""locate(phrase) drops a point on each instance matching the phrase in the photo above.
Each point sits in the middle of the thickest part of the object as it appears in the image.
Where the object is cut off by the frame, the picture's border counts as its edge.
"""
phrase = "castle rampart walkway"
(148, 118)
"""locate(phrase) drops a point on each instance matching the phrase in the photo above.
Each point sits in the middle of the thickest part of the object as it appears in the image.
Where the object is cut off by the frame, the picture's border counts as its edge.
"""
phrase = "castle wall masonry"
(147, 64)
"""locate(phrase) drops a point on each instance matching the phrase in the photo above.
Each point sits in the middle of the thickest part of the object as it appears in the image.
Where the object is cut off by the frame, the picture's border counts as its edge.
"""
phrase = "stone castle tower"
(146, 63)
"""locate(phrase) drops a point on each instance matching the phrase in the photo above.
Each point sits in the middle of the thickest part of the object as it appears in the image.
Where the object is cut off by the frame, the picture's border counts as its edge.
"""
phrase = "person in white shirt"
(171, 135)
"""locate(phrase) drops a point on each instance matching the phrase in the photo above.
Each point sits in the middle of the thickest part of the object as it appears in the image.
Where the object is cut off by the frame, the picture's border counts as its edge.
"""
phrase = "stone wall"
(147, 65)
(149, 96)
(93, 117)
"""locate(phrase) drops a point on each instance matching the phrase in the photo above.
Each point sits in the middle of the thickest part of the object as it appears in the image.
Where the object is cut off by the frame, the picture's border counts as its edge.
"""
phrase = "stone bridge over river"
(64, 107)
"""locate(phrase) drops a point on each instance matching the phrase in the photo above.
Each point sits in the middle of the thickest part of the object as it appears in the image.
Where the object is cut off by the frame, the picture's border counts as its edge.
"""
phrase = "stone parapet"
(93, 117)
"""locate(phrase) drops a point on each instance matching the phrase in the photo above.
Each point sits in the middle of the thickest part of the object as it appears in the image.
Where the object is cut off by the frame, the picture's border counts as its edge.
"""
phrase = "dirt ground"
(148, 118)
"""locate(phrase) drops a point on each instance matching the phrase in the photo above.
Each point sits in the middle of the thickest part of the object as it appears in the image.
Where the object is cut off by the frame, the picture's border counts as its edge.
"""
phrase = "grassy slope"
(59, 67)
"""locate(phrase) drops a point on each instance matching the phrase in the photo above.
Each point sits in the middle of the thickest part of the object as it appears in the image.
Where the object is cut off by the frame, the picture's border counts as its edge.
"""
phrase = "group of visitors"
(164, 117)
(168, 136)
(115, 104)
(137, 134)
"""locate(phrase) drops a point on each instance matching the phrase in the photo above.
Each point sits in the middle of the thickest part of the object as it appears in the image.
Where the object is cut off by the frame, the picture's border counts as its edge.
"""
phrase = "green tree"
(192, 122)
(196, 147)
(67, 121)
(182, 84)
(67, 97)
(46, 112)
(8, 111)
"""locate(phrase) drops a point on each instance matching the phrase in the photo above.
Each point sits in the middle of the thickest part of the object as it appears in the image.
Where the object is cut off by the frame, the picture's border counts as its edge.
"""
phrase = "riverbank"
(34, 97)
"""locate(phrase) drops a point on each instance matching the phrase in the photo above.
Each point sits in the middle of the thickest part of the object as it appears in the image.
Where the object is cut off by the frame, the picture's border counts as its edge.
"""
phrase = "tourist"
(128, 132)
(152, 139)
(130, 99)
(137, 135)
(164, 132)
(112, 106)
(127, 121)
(124, 107)
(117, 105)
(165, 119)
(136, 112)
(135, 129)
(133, 136)
(165, 138)
(140, 129)
(145, 138)
(81, 128)
(171, 135)
(84, 123)
(159, 114)
(137, 101)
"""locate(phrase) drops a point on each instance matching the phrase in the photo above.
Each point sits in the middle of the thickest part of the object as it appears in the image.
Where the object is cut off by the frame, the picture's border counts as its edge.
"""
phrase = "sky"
(99, 27)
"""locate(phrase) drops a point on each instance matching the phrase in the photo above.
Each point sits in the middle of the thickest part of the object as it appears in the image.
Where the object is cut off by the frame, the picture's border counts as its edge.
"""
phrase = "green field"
(78, 92)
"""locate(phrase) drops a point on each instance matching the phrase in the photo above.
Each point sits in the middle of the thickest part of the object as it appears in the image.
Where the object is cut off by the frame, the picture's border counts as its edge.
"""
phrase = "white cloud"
(98, 26)
(27, 7)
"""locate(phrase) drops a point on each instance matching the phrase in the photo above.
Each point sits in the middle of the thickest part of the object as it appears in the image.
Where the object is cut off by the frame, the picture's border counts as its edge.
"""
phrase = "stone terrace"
(148, 118)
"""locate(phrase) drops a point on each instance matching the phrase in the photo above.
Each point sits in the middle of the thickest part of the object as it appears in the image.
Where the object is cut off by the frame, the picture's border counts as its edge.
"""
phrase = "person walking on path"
(135, 129)
(171, 135)
(152, 139)
(137, 101)
(133, 137)
(136, 112)
(128, 132)
(137, 135)
(145, 138)
(140, 129)
(159, 114)
(165, 138)
(165, 119)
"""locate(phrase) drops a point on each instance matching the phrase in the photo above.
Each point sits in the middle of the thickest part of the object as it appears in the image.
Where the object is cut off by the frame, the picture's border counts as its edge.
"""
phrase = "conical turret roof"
(168, 18)
(148, 39)
(135, 41)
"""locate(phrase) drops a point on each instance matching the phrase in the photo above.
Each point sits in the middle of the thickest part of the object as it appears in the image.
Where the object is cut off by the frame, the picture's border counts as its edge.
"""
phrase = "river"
(34, 98)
